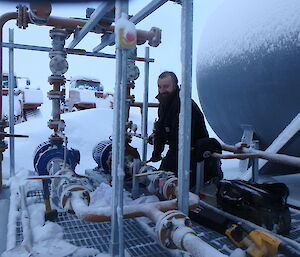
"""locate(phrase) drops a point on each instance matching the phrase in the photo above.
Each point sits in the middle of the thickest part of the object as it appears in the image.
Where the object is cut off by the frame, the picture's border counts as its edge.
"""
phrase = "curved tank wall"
(248, 70)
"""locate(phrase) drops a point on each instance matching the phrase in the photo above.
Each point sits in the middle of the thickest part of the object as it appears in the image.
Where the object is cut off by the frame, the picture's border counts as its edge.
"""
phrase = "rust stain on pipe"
(3, 19)
(150, 210)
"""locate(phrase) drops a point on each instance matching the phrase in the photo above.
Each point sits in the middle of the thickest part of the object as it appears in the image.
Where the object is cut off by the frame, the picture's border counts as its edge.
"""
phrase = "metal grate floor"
(137, 241)
(97, 235)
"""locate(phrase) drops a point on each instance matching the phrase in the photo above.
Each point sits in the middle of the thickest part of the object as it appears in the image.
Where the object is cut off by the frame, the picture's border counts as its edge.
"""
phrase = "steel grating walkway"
(137, 241)
(97, 235)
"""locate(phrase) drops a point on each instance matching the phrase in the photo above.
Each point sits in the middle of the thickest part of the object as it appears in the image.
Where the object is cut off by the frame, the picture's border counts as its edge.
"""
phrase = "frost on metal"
(239, 27)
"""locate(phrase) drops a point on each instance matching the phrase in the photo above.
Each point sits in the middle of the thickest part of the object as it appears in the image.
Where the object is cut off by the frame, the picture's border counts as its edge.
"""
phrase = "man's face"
(166, 86)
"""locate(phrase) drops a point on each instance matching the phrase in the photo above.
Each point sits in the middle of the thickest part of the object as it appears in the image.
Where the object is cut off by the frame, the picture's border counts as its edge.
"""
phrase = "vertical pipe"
(1, 69)
(185, 99)
(115, 156)
(255, 170)
(135, 180)
(117, 245)
(11, 104)
(121, 173)
(199, 177)
(145, 106)
(255, 165)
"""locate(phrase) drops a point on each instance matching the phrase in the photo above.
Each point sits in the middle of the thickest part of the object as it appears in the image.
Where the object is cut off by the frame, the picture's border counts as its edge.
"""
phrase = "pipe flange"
(57, 124)
(166, 226)
(155, 39)
(58, 32)
(169, 188)
(58, 51)
(67, 193)
(22, 21)
(53, 94)
(61, 80)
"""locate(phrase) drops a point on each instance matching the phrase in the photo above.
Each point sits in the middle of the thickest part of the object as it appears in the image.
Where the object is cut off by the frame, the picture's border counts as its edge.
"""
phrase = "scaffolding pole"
(185, 106)
(11, 83)
(117, 232)
(145, 106)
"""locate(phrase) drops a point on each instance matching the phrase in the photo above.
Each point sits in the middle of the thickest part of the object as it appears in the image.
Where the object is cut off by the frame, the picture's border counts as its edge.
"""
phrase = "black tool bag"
(263, 204)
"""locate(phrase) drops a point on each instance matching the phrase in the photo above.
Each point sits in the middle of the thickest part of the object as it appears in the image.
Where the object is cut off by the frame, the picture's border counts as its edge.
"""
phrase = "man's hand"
(207, 144)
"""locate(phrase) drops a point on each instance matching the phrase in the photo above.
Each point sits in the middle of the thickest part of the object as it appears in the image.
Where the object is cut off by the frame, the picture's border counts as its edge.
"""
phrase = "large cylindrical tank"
(248, 70)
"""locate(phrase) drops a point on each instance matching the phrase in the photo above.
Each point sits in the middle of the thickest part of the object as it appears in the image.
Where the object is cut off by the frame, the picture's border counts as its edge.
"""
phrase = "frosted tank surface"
(248, 69)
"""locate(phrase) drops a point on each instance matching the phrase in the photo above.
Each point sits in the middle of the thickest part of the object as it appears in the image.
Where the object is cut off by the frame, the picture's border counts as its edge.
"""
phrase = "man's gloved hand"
(207, 144)
(155, 157)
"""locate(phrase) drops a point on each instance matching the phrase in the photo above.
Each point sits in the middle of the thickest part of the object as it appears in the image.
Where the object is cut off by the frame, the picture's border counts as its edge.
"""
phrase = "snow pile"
(84, 130)
(239, 27)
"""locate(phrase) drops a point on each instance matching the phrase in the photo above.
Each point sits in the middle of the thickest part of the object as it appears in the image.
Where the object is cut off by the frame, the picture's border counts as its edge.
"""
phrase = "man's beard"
(165, 97)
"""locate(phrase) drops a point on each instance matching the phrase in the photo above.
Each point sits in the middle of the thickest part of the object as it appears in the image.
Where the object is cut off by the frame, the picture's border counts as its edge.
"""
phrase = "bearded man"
(166, 132)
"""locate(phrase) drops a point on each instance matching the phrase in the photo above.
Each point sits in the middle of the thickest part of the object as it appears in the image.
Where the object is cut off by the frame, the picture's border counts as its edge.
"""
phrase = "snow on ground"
(84, 130)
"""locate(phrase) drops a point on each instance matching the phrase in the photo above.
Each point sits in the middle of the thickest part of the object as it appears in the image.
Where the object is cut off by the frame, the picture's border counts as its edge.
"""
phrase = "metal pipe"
(142, 14)
(135, 181)
(3, 19)
(185, 106)
(199, 177)
(121, 173)
(115, 153)
(150, 210)
(69, 51)
(145, 106)
(253, 153)
(197, 247)
(11, 83)
(96, 16)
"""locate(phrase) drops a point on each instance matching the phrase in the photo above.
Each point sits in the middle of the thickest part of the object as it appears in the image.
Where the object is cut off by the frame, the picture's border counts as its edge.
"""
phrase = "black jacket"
(167, 126)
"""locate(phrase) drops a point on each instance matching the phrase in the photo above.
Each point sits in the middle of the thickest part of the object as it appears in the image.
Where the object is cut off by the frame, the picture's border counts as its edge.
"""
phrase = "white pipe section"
(198, 248)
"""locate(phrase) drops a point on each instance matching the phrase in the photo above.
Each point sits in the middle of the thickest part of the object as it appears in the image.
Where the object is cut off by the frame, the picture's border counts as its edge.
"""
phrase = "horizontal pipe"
(140, 104)
(241, 156)
(69, 51)
(198, 248)
(150, 210)
(273, 157)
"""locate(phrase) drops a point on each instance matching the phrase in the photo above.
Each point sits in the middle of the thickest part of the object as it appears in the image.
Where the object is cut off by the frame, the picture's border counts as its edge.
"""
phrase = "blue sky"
(35, 65)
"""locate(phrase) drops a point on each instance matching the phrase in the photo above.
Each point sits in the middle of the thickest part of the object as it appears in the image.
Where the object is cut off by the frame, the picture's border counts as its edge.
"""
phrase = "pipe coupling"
(22, 19)
(169, 223)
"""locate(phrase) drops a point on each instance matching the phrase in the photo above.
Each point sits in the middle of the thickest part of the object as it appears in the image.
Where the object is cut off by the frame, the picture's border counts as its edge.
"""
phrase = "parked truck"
(86, 93)
(27, 100)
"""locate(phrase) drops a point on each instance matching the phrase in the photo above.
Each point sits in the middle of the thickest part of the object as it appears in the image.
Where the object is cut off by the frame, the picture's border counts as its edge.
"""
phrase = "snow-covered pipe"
(197, 247)
(273, 157)
(183, 236)
(150, 210)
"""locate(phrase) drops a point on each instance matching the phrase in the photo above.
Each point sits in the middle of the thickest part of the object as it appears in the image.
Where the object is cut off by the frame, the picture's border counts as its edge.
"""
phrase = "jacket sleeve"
(158, 139)
(198, 127)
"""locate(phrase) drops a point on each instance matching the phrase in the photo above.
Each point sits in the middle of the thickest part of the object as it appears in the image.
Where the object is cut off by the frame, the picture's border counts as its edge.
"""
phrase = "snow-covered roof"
(75, 78)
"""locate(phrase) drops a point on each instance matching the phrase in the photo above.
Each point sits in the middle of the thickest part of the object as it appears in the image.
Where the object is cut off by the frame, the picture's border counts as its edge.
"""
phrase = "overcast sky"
(35, 65)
